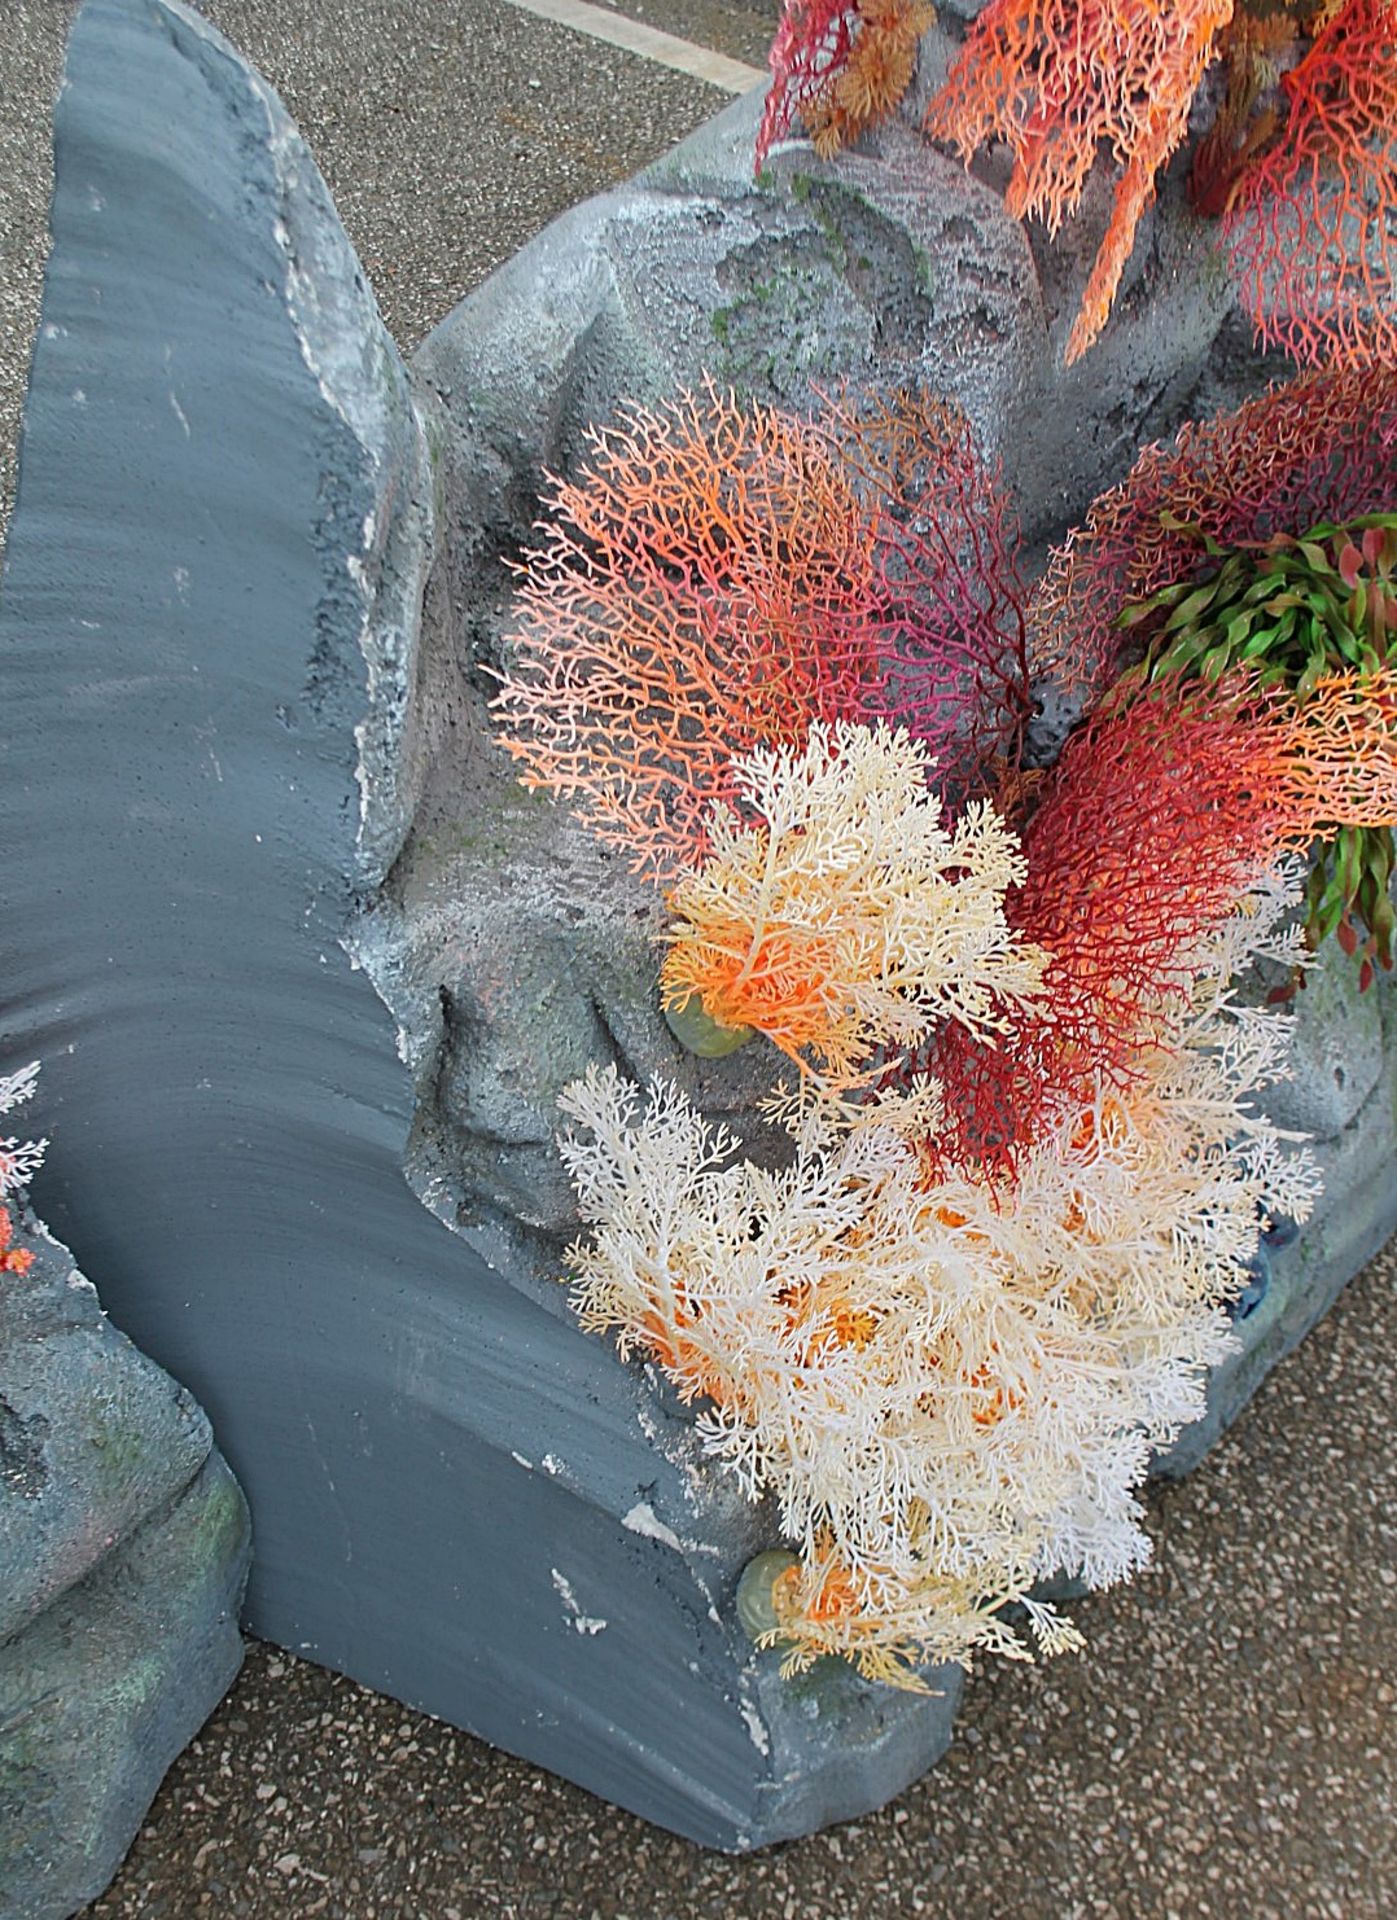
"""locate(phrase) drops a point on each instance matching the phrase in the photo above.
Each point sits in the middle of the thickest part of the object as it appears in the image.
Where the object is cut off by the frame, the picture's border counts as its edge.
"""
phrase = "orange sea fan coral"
(1340, 762)
(702, 589)
(1057, 78)
(1321, 448)
(1309, 225)
(725, 576)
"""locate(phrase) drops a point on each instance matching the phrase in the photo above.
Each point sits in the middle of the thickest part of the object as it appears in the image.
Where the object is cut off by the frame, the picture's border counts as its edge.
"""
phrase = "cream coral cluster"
(951, 1387)
(837, 912)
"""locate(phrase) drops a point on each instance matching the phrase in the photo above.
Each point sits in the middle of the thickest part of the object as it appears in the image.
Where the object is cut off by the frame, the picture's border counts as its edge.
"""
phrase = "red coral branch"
(950, 606)
(1156, 819)
(810, 51)
(840, 69)
(1149, 828)
(1310, 226)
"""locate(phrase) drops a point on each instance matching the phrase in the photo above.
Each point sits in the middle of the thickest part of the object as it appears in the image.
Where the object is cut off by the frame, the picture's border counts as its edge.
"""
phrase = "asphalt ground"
(1226, 1745)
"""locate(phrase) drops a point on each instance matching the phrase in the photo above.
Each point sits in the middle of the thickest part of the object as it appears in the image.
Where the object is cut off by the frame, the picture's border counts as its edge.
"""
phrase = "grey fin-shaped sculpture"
(214, 737)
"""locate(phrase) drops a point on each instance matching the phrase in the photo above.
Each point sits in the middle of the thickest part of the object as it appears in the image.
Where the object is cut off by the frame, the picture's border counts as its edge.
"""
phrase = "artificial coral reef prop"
(1300, 162)
(1026, 1173)
(725, 576)
(837, 914)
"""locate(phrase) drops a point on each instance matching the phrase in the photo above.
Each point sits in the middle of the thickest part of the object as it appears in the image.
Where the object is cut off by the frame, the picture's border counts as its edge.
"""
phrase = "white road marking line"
(665, 49)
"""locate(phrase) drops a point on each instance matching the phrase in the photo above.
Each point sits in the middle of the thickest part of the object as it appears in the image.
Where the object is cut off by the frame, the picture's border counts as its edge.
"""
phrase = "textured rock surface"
(124, 1548)
(1344, 1096)
(459, 1499)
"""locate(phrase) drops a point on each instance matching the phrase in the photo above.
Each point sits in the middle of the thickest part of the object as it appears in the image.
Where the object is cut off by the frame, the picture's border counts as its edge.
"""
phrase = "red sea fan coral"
(951, 601)
(1149, 828)
(1310, 224)
(723, 577)
(1322, 448)
(1056, 78)
(810, 51)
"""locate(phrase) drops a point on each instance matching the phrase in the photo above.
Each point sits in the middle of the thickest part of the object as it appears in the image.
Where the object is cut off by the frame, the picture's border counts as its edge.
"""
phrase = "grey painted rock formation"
(1344, 1097)
(256, 571)
(124, 1546)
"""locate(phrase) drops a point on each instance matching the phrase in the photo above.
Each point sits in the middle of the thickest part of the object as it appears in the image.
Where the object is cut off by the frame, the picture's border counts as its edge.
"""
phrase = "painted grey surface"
(124, 1547)
(212, 582)
(1344, 1096)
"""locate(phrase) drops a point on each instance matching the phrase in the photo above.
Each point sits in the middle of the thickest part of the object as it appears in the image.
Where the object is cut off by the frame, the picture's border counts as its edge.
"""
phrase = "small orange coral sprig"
(12, 1259)
(19, 1161)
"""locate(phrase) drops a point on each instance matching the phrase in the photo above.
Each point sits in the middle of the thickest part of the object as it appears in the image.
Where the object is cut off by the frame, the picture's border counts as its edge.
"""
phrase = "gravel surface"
(1225, 1747)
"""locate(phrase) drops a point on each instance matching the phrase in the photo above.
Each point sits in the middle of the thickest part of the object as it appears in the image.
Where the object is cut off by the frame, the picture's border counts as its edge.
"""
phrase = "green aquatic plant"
(1295, 611)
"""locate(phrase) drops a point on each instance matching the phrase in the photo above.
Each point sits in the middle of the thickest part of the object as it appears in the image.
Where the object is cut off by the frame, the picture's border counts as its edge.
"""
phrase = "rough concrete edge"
(100, 1853)
(104, 1546)
(364, 381)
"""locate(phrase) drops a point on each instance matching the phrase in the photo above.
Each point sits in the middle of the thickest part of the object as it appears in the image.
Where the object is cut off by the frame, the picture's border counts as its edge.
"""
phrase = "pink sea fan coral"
(722, 577)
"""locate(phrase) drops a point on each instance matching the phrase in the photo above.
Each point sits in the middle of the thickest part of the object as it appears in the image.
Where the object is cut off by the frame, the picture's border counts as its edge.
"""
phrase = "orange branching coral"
(723, 577)
(1056, 78)
(840, 68)
(1310, 222)
(12, 1259)
(847, 916)
(1322, 448)
(1340, 763)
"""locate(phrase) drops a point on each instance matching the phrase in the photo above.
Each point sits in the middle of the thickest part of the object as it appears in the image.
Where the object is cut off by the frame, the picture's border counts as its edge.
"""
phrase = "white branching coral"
(844, 914)
(20, 1160)
(952, 1391)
